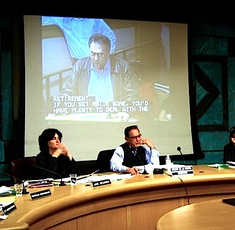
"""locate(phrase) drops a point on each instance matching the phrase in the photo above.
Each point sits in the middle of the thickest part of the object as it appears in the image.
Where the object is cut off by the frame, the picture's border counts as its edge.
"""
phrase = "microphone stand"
(85, 176)
(145, 171)
(62, 183)
(24, 190)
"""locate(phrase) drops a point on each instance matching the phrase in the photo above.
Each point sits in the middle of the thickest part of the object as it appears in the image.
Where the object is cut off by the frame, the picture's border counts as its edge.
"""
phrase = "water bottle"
(168, 162)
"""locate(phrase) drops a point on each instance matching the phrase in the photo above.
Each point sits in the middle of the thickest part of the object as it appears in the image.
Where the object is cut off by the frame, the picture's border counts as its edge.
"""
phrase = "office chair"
(103, 160)
(22, 169)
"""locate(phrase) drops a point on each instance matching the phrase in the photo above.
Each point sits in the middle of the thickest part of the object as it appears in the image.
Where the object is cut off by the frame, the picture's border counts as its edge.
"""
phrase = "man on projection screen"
(102, 76)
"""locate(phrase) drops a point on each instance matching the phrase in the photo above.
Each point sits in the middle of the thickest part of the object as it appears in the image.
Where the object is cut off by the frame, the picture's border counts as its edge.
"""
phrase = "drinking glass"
(18, 189)
(73, 179)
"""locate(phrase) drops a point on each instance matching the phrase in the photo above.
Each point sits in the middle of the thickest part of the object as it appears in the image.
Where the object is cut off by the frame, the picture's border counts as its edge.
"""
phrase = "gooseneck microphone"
(88, 175)
(24, 190)
(179, 149)
(62, 183)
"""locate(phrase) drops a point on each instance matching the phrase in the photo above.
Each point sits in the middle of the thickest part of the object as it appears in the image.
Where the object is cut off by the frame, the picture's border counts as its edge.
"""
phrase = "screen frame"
(197, 154)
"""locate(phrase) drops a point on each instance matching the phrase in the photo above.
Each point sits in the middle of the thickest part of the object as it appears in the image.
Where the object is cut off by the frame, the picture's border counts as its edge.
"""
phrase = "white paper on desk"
(111, 177)
(5, 191)
(31, 182)
(231, 164)
(65, 179)
(172, 165)
(214, 165)
(218, 166)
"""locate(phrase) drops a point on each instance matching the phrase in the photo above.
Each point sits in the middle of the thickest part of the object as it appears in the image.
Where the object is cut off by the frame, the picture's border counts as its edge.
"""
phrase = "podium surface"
(211, 215)
(132, 203)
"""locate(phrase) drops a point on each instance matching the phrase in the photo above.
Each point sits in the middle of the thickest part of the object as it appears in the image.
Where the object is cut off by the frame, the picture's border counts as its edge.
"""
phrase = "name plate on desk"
(8, 208)
(40, 194)
(101, 182)
(186, 170)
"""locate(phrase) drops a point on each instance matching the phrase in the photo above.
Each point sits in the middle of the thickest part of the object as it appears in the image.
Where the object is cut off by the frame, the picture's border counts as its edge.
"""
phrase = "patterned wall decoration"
(213, 76)
(212, 93)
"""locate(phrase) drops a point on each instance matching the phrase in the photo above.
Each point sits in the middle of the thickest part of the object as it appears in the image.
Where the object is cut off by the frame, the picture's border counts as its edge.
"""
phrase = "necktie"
(134, 151)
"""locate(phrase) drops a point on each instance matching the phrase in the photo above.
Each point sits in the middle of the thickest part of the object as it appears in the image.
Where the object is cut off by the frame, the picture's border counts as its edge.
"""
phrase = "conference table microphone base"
(25, 191)
(62, 183)
(145, 171)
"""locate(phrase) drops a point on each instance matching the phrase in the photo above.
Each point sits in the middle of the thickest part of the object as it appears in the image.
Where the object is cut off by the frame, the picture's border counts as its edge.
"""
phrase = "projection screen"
(157, 53)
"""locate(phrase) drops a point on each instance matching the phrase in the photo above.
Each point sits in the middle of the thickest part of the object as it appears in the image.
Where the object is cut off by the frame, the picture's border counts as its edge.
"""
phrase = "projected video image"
(90, 78)
(105, 70)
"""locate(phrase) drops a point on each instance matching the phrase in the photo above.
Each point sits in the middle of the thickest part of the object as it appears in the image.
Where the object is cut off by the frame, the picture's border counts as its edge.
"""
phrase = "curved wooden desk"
(132, 203)
(213, 214)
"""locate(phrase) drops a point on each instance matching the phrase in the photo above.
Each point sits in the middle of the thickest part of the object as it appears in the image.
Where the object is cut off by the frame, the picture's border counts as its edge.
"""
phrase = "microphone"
(24, 190)
(62, 183)
(88, 175)
(145, 172)
(179, 149)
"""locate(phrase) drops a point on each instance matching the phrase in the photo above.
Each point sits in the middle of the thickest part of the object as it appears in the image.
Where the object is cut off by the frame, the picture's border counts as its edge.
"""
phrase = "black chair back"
(22, 169)
(103, 160)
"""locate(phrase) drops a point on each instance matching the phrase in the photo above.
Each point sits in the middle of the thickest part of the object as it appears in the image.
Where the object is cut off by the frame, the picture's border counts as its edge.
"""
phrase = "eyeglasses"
(99, 55)
(139, 136)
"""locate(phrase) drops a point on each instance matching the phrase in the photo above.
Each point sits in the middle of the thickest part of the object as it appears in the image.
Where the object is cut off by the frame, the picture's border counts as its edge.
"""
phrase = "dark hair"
(232, 131)
(128, 129)
(47, 135)
(100, 38)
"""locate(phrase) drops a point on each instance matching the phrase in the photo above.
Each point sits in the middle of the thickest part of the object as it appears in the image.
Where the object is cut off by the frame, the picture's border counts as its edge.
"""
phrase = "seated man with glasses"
(136, 151)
